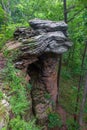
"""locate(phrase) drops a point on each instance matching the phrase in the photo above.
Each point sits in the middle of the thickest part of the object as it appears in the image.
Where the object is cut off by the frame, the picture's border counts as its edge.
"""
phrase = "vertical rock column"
(44, 86)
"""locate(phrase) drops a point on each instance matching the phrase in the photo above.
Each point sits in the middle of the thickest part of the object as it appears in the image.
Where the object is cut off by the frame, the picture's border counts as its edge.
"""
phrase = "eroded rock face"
(39, 48)
(43, 75)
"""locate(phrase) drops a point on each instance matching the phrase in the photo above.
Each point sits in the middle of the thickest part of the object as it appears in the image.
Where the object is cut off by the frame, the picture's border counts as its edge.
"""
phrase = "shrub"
(72, 125)
(19, 124)
(54, 120)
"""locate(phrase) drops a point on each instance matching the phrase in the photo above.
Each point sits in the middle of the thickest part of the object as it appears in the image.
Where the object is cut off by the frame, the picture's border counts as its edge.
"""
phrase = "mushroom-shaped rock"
(40, 48)
(48, 25)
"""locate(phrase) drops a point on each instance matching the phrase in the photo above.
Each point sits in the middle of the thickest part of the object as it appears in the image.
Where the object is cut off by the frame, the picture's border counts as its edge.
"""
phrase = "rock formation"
(40, 47)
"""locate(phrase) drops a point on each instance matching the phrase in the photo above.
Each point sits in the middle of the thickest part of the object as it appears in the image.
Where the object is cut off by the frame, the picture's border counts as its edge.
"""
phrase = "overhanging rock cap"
(44, 37)
(48, 25)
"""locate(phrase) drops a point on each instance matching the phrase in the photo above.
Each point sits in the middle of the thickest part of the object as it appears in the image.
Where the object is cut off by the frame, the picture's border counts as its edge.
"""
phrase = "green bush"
(72, 125)
(54, 120)
(1, 95)
(7, 31)
(19, 124)
(18, 101)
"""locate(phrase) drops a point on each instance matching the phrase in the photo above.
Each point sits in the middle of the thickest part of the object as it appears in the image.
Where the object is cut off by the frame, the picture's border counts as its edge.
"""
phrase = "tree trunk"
(80, 82)
(6, 7)
(83, 103)
(65, 13)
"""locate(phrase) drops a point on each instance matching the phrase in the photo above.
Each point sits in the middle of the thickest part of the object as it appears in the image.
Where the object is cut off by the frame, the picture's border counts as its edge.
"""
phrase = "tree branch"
(70, 8)
(75, 15)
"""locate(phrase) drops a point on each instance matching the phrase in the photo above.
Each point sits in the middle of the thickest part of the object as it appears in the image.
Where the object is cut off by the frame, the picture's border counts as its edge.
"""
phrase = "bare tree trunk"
(78, 12)
(83, 102)
(60, 59)
(65, 13)
(80, 81)
(3, 5)
(6, 7)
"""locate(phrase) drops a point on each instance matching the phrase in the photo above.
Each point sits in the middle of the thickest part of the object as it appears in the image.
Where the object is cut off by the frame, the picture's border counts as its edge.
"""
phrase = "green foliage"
(83, 2)
(78, 34)
(54, 120)
(47, 96)
(68, 94)
(2, 16)
(5, 128)
(23, 10)
(65, 74)
(18, 101)
(19, 124)
(1, 95)
(15, 13)
(7, 31)
(29, 86)
(72, 125)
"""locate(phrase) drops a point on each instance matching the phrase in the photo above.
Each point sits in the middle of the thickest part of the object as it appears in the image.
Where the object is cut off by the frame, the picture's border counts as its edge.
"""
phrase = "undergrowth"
(18, 88)
(19, 124)
(18, 99)
(6, 32)
(54, 120)
(72, 125)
